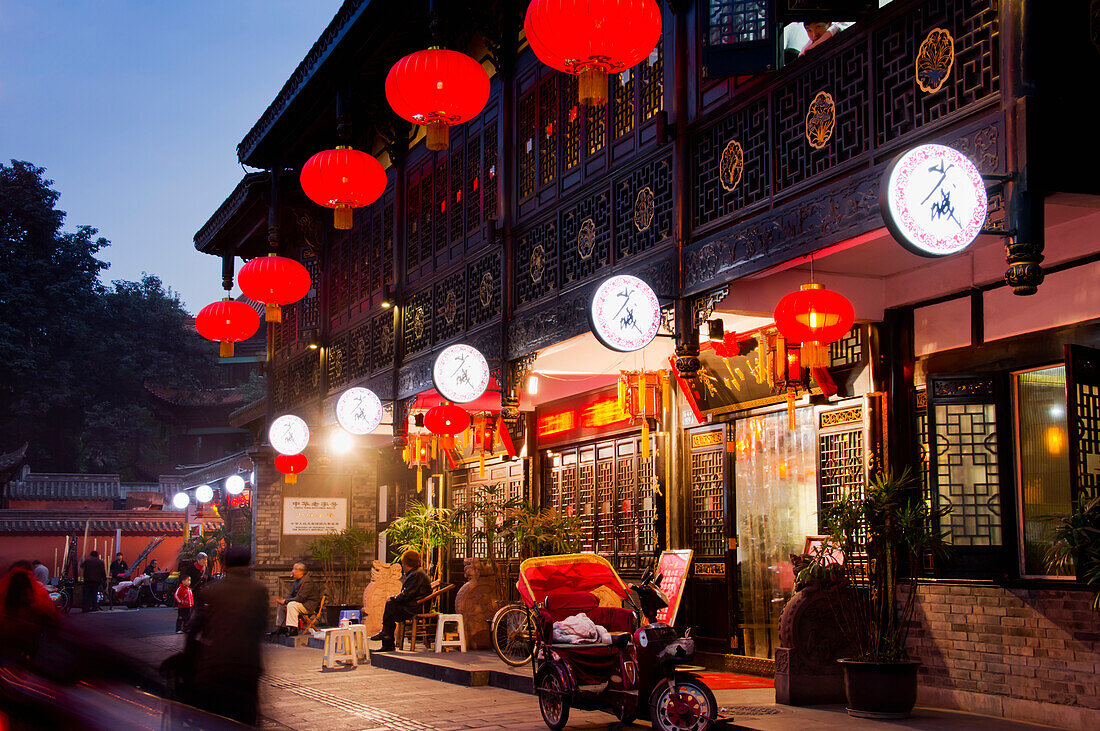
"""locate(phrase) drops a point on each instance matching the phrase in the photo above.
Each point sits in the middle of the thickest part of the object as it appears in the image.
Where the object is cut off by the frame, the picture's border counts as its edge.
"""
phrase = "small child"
(184, 600)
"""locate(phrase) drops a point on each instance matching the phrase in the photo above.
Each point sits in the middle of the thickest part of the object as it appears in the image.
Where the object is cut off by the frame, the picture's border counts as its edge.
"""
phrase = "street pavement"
(298, 694)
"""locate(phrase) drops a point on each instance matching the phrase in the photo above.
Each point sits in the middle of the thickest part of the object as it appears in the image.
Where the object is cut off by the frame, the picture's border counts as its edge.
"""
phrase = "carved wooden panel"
(527, 154)
(336, 360)
(382, 341)
(489, 180)
(586, 237)
(416, 328)
(643, 207)
(309, 308)
(572, 116)
(730, 164)
(651, 83)
(358, 352)
(450, 306)
(547, 128)
(844, 75)
(621, 92)
(412, 228)
(483, 289)
(456, 209)
(536, 273)
(429, 215)
(900, 104)
(440, 210)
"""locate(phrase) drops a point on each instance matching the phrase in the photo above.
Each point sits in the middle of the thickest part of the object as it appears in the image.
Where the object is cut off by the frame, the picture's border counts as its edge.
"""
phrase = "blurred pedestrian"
(95, 574)
(223, 642)
(184, 601)
(41, 572)
(197, 572)
(26, 611)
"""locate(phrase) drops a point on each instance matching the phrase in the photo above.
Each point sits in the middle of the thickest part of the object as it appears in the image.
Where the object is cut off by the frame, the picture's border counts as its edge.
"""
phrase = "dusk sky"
(135, 110)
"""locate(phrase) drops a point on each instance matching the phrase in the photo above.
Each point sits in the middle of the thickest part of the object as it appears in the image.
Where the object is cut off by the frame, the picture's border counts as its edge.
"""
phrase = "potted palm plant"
(1077, 545)
(877, 534)
(427, 530)
(339, 553)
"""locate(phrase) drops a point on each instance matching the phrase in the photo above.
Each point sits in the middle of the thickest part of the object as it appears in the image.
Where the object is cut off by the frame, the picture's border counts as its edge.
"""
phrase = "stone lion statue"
(477, 601)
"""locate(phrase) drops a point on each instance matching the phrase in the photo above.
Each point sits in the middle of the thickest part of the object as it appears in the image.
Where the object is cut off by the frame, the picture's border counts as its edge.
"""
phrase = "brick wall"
(1027, 650)
(271, 567)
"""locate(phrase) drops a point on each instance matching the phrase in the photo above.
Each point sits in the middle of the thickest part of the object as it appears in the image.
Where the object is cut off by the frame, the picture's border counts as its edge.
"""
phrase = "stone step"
(469, 669)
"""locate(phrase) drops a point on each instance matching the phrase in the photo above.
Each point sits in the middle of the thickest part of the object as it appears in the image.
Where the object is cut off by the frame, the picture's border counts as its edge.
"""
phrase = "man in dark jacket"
(95, 574)
(197, 572)
(304, 598)
(223, 642)
(119, 567)
(399, 607)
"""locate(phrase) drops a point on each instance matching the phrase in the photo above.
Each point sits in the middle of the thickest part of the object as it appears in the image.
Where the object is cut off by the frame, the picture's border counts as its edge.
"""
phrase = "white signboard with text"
(311, 516)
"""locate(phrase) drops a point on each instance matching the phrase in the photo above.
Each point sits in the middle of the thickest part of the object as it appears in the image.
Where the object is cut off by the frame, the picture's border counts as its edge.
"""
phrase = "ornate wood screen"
(609, 485)
(507, 481)
(1083, 396)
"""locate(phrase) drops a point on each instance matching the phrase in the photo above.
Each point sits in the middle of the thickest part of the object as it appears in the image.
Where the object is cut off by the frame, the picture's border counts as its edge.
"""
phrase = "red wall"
(41, 547)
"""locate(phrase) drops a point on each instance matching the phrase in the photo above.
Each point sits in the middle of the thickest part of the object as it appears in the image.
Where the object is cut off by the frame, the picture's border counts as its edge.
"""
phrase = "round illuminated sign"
(359, 410)
(234, 484)
(624, 313)
(460, 373)
(288, 434)
(933, 200)
(204, 493)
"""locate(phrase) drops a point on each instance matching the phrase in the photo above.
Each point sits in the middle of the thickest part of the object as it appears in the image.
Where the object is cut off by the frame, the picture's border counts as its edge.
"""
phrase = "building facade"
(724, 172)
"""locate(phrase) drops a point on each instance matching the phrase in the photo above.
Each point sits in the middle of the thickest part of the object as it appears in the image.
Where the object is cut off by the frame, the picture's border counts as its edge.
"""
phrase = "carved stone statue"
(385, 581)
(477, 601)
(810, 642)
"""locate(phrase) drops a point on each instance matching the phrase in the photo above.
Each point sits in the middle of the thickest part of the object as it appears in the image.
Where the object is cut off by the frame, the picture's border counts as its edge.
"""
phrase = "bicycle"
(512, 634)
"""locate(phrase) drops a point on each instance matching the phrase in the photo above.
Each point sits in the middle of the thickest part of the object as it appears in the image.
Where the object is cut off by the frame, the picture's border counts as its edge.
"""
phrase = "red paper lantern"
(343, 179)
(437, 88)
(274, 280)
(228, 322)
(592, 38)
(447, 419)
(814, 316)
(291, 465)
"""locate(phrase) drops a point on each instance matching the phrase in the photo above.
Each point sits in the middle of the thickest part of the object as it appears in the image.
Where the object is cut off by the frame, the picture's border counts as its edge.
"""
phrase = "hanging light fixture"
(227, 321)
(274, 280)
(592, 38)
(418, 455)
(446, 419)
(234, 484)
(437, 88)
(291, 465)
(815, 317)
(343, 179)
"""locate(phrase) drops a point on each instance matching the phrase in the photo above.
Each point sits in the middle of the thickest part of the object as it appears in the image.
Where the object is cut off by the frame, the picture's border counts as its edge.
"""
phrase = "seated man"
(304, 598)
(414, 587)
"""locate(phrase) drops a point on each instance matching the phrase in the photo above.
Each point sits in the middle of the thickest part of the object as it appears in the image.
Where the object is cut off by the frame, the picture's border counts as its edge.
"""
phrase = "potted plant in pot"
(878, 533)
(1076, 545)
(427, 530)
(339, 553)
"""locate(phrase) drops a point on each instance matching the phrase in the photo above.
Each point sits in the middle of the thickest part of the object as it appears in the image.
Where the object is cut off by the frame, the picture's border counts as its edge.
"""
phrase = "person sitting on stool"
(304, 598)
(414, 587)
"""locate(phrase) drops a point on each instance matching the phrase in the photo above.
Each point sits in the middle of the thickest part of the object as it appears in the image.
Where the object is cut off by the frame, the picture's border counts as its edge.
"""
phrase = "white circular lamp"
(234, 484)
(181, 500)
(204, 493)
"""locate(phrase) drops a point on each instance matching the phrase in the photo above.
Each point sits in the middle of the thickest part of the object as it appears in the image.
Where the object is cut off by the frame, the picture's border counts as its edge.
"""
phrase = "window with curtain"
(1043, 476)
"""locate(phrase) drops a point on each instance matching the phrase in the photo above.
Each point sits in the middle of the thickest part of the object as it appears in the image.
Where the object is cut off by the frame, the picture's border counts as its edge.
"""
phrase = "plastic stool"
(339, 647)
(440, 643)
(359, 633)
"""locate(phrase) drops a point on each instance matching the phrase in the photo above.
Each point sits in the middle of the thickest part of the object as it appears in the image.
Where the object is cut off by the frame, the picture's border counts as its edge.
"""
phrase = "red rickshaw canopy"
(569, 572)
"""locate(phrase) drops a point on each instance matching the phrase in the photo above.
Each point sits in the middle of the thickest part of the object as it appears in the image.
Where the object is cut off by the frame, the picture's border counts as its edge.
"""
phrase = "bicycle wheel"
(513, 636)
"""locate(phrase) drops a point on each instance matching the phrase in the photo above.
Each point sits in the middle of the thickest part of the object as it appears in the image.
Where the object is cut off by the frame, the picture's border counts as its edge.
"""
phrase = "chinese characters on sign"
(673, 569)
(304, 516)
(933, 200)
(460, 373)
(289, 434)
(624, 313)
(359, 410)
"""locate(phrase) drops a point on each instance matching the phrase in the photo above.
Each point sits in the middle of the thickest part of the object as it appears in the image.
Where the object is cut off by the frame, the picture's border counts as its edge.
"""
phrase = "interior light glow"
(340, 442)
(204, 493)
(532, 384)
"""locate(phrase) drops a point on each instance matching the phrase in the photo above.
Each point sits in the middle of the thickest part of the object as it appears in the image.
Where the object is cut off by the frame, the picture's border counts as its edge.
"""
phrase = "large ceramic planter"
(880, 689)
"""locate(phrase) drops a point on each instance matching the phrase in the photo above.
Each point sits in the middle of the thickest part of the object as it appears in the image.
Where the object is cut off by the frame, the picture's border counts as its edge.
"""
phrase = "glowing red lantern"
(228, 322)
(274, 280)
(437, 88)
(592, 38)
(814, 316)
(291, 465)
(447, 419)
(343, 179)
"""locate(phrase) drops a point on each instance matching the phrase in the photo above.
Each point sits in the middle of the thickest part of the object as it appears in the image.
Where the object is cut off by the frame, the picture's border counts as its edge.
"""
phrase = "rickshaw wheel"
(512, 635)
(685, 705)
(553, 702)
